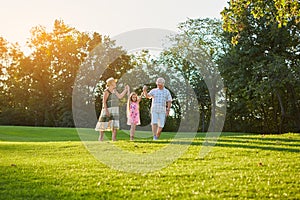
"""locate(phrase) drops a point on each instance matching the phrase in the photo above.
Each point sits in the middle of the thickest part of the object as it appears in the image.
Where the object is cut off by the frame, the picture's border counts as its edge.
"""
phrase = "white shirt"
(160, 99)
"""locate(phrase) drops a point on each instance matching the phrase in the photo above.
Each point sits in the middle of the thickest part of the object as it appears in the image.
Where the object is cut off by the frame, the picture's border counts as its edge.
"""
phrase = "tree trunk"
(283, 114)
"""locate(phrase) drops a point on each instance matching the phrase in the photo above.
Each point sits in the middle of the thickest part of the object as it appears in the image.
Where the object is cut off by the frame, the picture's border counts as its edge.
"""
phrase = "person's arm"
(146, 94)
(128, 90)
(169, 103)
(104, 103)
(139, 98)
(120, 96)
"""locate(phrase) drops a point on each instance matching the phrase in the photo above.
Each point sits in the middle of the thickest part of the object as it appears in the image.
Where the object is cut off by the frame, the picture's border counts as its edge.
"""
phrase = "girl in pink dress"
(133, 113)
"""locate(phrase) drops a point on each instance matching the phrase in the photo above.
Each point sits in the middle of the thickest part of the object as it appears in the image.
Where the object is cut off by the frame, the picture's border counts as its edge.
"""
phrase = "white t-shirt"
(160, 99)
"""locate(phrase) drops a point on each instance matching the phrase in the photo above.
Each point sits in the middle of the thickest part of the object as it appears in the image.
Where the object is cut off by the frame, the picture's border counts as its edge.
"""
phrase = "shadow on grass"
(232, 143)
(261, 142)
(271, 148)
(226, 145)
(264, 138)
(228, 139)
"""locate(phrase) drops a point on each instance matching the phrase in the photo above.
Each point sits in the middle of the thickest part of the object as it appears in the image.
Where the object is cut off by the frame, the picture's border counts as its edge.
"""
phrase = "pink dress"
(134, 114)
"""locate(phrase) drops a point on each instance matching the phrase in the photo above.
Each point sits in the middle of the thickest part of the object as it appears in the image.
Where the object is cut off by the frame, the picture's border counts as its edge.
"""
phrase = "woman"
(109, 117)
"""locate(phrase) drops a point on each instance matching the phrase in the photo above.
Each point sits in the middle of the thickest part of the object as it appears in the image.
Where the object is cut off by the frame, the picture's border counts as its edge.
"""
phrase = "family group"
(109, 116)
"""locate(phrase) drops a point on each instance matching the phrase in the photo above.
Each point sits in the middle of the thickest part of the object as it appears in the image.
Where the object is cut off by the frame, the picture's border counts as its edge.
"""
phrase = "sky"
(107, 17)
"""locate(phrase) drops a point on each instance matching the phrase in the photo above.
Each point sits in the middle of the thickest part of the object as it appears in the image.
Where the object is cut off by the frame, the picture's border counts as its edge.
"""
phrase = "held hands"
(145, 90)
(127, 88)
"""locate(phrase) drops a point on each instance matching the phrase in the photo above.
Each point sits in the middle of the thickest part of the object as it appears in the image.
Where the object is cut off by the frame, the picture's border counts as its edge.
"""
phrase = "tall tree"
(54, 61)
(105, 60)
(12, 85)
(262, 68)
(197, 47)
(145, 70)
(38, 88)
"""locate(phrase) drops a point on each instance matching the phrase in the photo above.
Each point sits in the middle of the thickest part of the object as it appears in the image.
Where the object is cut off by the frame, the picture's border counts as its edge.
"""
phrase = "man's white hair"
(160, 80)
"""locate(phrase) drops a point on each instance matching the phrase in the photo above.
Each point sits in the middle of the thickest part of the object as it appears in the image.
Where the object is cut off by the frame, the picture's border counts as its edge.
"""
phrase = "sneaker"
(154, 137)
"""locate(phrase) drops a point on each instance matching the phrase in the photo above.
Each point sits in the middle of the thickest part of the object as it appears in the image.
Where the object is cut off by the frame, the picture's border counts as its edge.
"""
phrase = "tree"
(145, 70)
(275, 12)
(12, 82)
(51, 68)
(261, 69)
(195, 52)
(103, 61)
(38, 88)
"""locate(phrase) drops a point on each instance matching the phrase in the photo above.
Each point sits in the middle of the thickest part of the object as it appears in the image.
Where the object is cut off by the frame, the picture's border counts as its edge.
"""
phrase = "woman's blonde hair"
(109, 81)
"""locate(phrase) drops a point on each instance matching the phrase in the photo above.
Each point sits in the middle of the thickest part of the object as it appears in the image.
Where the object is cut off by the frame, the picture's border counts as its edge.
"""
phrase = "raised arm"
(145, 92)
(120, 96)
(139, 98)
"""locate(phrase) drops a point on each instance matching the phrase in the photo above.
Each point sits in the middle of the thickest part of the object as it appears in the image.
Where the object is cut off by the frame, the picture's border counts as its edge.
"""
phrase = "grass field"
(53, 163)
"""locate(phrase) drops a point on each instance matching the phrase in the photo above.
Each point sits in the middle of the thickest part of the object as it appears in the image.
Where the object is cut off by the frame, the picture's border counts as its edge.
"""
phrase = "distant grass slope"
(52, 163)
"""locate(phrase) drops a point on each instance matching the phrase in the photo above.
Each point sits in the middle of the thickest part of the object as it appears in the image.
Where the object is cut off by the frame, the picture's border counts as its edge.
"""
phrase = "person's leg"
(154, 120)
(101, 135)
(159, 130)
(132, 130)
(114, 134)
(115, 124)
(154, 131)
(162, 119)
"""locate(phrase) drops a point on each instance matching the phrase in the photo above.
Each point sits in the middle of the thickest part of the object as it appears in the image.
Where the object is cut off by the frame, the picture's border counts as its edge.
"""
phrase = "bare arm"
(120, 96)
(128, 90)
(104, 103)
(169, 103)
(145, 92)
(139, 98)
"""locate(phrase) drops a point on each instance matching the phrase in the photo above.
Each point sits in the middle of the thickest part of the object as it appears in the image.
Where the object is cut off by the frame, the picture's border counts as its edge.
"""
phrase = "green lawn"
(53, 163)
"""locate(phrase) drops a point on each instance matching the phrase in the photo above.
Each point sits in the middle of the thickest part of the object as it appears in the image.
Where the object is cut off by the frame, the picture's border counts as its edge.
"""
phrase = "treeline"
(250, 75)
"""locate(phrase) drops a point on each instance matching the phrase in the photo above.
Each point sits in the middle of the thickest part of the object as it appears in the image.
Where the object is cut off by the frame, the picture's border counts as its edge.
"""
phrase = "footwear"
(154, 137)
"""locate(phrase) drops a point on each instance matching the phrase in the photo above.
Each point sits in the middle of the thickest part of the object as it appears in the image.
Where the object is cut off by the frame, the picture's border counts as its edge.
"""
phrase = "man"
(160, 108)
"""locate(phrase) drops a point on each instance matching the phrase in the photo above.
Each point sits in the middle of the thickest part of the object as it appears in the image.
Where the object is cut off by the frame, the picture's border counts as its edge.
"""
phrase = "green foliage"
(260, 71)
(194, 55)
(37, 88)
(52, 163)
(277, 12)
(144, 71)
